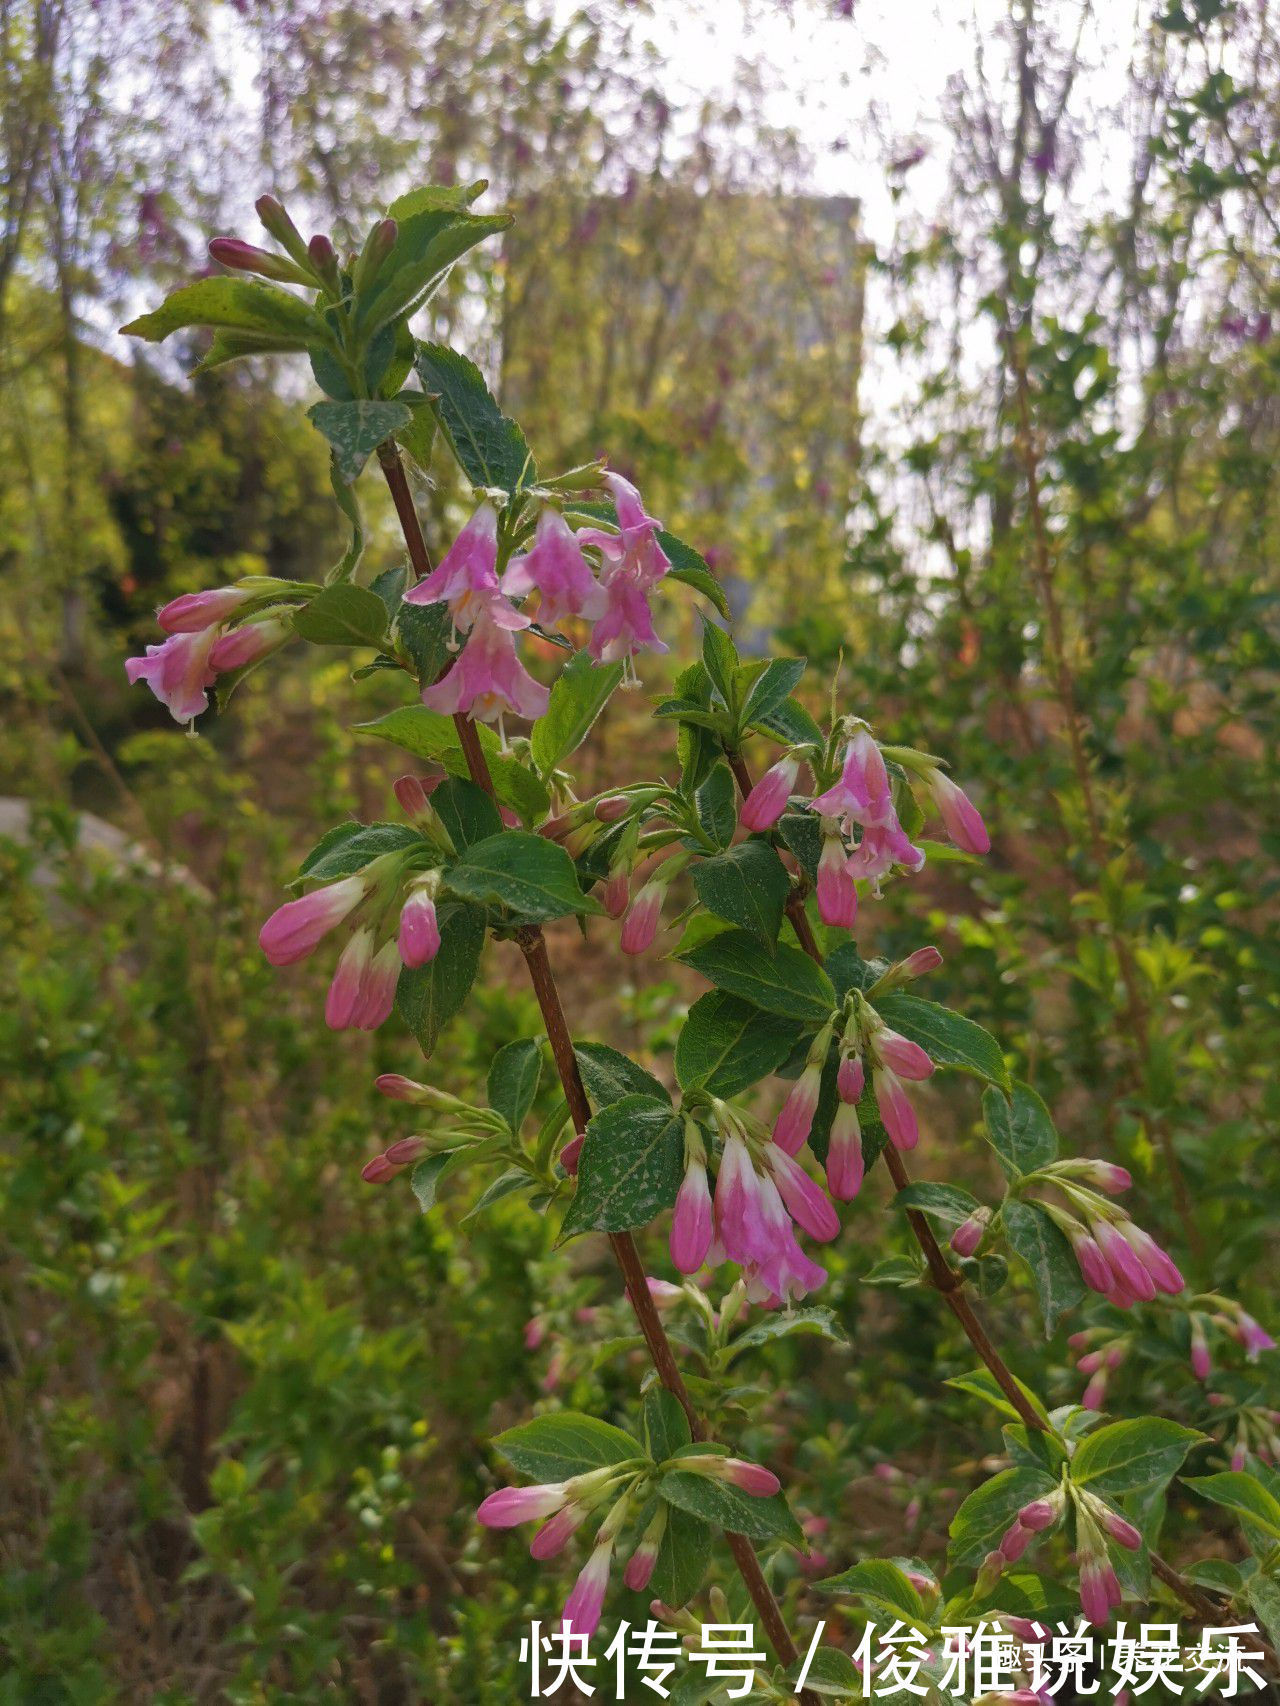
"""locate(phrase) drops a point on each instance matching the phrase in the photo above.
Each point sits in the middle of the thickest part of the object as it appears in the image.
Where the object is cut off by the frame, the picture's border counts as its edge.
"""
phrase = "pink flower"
(918, 963)
(634, 563)
(466, 580)
(902, 1056)
(1123, 1260)
(378, 1171)
(295, 929)
(1201, 1363)
(691, 1222)
(406, 1150)
(399, 1088)
(1161, 1267)
(1253, 1336)
(1119, 1528)
(510, 1506)
(559, 571)
(844, 1154)
(626, 625)
(767, 801)
(863, 792)
(967, 1236)
(962, 819)
(785, 1277)
(558, 1530)
(242, 646)
(1099, 1590)
(570, 1153)
(806, 1202)
(641, 923)
(1106, 1176)
(1094, 1269)
(641, 1563)
(880, 850)
(850, 1078)
(1039, 1514)
(347, 988)
(837, 895)
(752, 1478)
(896, 1111)
(196, 610)
(615, 892)
(488, 678)
(378, 991)
(585, 1603)
(795, 1117)
(419, 939)
(178, 672)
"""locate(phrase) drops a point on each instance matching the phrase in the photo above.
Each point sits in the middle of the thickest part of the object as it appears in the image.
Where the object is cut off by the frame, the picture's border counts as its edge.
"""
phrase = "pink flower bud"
(1123, 1260)
(1014, 1542)
(324, 258)
(1253, 1336)
(510, 1506)
(346, 990)
(691, 1220)
(641, 923)
(570, 1153)
(1119, 1528)
(917, 964)
(795, 1117)
(767, 801)
(663, 1293)
(1093, 1264)
(837, 892)
(896, 1111)
(239, 256)
(612, 808)
(1095, 1393)
(751, 1478)
(1039, 1514)
(585, 1603)
(535, 1331)
(845, 1163)
(1201, 1363)
(242, 646)
(850, 1078)
(399, 1088)
(407, 1149)
(967, 1237)
(641, 1563)
(419, 939)
(557, 1531)
(378, 991)
(900, 1055)
(1161, 1267)
(295, 929)
(1090, 1363)
(196, 610)
(412, 793)
(615, 892)
(1106, 1176)
(963, 821)
(378, 1171)
(806, 1202)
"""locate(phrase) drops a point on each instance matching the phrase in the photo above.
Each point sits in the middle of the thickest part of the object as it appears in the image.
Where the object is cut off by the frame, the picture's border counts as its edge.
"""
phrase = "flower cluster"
(1117, 1258)
(202, 644)
(1100, 1353)
(862, 835)
(562, 1507)
(1096, 1523)
(487, 678)
(393, 892)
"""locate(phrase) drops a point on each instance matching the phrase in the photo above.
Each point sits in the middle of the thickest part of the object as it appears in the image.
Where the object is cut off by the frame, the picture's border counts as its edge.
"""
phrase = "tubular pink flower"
(922, 961)
(863, 792)
(806, 1202)
(691, 1220)
(896, 1111)
(844, 1154)
(419, 938)
(626, 624)
(767, 801)
(378, 991)
(752, 1478)
(967, 1236)
(641, 1563)
(1038, 1514)
(615, 892)
(1095, 1600)
(785, 1276)
(1123, 1260)
(585, 1603)
(1094, 1269)
(902, 1056)
(962, 819)
(399, 1088)
(559, 571)
(1090, 1363)
(1253, 1336)
(880, 850)
(347, 988)
(643, 917)
(556, 1532)
(249, 644)
(1161, 1266)
(178, 672)
(851, 1078)
(196, 610)
(795, 1117)
(1119, 1528)
(466, 580)
(378, 1171)
(837, 894)
(413, 795)
(406, 1150)
(1106, 1176)
(1014, 1542)
(488, 678)
(738, 1209)
(295, 929)
(510, 1506)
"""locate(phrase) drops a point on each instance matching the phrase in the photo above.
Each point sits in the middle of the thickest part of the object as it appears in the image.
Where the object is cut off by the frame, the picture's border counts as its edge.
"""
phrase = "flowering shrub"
(494, 841)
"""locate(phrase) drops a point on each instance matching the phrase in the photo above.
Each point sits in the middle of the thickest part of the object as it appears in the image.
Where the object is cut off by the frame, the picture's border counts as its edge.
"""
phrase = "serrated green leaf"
(769, 690)
(530, 877)
(683, 1557)
(355, 429)
(1048, 1255)
(349, 847)
(748, 886)
(728, 1507)
(1021, 1130)
(666, 1427)
(432, 198)
(630, 1166)
(513, 1080)
(343, 615)
(946, 1204)
(490, 448)
(430, 734)
(881, 1582)
(505, 1185)
(1242, 1493)
(818, 1321)
(788, 984)
(719, 659)
(564, 1444)
(990, 1509)
(426, 1176)
(1128, 1456)
(716, 801)
(427, 244)
(466, 811)
(726, 1045)
(428, 996)
(948, 1038)
(236, 304)
(610, 1075)
(981, 1383)
(578, 695)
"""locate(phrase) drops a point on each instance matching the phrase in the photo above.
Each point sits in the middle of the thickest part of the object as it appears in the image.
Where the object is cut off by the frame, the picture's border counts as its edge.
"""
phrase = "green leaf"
(426, 1177)
(609, 1076)
(490, 448)
(237, 304)
(683, 1557)
(560, 1446)
(356, 429)
(630, 1166)
(426, 246)
(770, 690)
(431, 198)
(1021, 1130)
(1264, 1597)
(728, 1507)
(666, 1427)
(429, 996)
(425, 631)
(343, 615)
(349, 847)
(513, 1081)
(981, 1383)
(1242, 1493)
(578, 695)
(719, 659)
(818, 1321)
(747, 886)
(505, 1185)
(430, 734)
(788, 984)
(466, 811)
(831, 1673)
(531, 877)
(1044, 1248)
(883, 1584)
(690, 567)
(982, 1519)
(725, 1045)
(716, 800)
(1128, 1456)
(791, 724)
(948, 1038)
(947, 1204)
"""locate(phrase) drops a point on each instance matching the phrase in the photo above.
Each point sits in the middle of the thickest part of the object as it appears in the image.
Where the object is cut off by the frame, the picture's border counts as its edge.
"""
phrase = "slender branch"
(533, 946)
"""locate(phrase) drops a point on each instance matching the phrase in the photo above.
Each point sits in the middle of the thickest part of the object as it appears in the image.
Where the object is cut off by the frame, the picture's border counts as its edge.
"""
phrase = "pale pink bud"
(663, 1293)
(240, 256)
(535, 1331)
(1240, 1455)
(412, 793)
(1090, 1363)
(510, 1506)
(1095, 1392)
(1162, 1268)
(378, 992)
(641, 1563)
(399, 1088)
(806, 1202)
(967, 1237)
(1119, 1528)
(896, 1111)
(1106, 1176)
(585, 1603)
(1123, 1260)
(850, 1078)
(795, 1117)
(691, 1220)
(1201, 1363)
(767, 801)
(419, 939)
(1015, 1542)
(844, 1154)
(1030, 1634)
(902, 1056)
(248, 644)
(378, 1171)
(751, 1478)
(641, 923)
(407, 1149)
(615, 892)
(346, 990)
(295, 929)
(612, 808)
(1093, 1264)
(557, 1531)
(923, 960)
(963, 821)
(1038, 1514)
(570, 1153)
(837, 892)
(196, 610)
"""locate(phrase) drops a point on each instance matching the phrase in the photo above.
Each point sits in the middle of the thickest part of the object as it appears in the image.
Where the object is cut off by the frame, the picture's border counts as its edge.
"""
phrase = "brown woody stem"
(533, 946)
